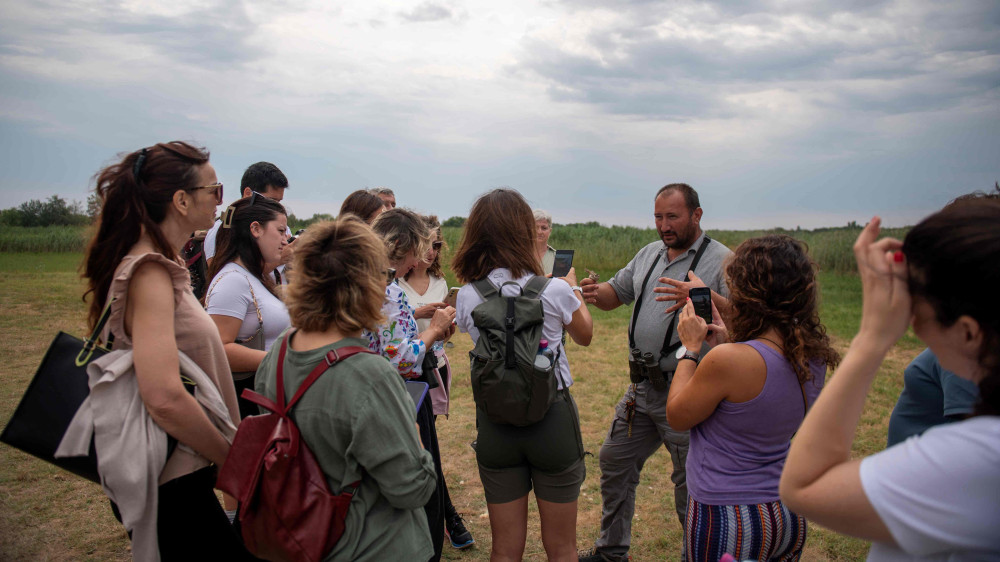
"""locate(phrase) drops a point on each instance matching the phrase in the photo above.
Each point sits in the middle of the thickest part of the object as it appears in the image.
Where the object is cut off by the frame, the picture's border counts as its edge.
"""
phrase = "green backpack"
(506, 385)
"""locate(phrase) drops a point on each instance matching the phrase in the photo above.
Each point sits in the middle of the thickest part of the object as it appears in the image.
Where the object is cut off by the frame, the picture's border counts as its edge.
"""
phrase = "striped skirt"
(765, 531)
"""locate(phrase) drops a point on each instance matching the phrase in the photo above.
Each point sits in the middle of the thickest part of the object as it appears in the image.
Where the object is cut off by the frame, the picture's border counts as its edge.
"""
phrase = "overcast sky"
(780, 113)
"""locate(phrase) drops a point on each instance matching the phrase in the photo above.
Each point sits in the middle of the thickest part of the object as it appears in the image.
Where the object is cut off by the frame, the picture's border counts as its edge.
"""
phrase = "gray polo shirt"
(651, 326)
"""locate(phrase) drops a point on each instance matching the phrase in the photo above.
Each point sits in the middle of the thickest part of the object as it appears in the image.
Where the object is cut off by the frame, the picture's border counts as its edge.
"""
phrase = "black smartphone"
(702, 299)
(564, 261)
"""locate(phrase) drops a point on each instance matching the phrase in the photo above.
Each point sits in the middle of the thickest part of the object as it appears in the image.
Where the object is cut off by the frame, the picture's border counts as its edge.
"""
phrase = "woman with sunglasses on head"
(426, 289)
(498, 245)
(408, 349)
(151, 203)
(744, 401)
(935, 496)
(242, 297)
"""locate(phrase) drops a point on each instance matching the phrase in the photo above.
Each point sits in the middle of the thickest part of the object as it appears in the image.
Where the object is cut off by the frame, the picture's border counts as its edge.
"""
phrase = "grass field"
(46, 514)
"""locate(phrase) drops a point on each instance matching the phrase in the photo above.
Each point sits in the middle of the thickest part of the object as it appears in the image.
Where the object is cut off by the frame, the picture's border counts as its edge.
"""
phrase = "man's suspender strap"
(638, 304)
(667, 348)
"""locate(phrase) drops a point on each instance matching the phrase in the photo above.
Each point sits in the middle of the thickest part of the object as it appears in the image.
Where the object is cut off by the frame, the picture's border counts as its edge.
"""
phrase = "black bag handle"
(90, 343)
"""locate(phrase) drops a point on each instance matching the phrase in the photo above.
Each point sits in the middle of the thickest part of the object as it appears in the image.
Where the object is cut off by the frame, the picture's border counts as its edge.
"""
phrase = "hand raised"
(677, 290)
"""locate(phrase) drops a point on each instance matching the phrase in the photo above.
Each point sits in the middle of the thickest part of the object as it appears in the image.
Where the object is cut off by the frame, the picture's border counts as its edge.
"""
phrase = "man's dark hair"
(690, 195)
(261, 175)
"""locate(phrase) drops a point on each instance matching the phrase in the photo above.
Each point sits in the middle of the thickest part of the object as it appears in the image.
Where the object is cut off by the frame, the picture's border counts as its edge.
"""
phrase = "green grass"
(48, 514)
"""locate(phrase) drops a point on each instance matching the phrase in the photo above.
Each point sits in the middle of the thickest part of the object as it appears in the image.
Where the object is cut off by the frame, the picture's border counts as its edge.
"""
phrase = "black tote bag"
(54, 395)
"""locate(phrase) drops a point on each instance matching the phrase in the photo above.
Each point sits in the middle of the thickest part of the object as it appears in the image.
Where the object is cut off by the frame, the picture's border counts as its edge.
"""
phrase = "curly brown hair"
(434, 228)
(772, 284)
(339, 277)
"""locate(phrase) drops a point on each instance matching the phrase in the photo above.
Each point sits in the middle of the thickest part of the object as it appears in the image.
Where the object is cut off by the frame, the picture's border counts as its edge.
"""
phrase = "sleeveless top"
(737, 454)
(196, 336)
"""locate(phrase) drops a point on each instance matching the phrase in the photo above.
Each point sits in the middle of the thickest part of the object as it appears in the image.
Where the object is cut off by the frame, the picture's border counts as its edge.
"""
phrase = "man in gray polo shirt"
(640, 424)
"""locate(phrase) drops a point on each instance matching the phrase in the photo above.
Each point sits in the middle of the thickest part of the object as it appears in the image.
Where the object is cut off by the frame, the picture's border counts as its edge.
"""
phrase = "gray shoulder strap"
(485, 289)
(535, 286)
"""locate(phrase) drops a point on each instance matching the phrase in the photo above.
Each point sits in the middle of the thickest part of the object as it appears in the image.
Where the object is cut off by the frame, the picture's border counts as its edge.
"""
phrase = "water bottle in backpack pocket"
(510, 380)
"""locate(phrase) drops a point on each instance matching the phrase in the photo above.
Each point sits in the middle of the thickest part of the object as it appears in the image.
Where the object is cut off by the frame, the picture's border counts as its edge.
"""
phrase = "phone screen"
(701, 297)
(564, 261)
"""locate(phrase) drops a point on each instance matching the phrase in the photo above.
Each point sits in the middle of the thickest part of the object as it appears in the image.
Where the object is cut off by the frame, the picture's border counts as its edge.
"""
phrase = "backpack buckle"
(332, 357)
(508, 322)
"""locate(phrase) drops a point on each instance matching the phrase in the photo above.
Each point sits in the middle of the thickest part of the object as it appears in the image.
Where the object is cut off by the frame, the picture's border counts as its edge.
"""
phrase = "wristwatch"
(577, 288)
(690, 355)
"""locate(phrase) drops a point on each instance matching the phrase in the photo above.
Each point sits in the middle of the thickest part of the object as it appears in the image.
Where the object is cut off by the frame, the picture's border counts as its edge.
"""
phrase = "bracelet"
(577, 288)
(690, 355)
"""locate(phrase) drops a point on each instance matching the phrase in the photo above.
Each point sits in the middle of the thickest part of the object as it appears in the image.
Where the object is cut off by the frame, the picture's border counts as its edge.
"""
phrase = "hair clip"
(138, 163)
(227, 217)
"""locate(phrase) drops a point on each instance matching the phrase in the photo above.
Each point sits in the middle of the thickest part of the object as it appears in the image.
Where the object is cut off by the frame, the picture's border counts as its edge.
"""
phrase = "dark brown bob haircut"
(500, 232)
(362, 203)
(339, 278)
(953, 258)
(772, 284)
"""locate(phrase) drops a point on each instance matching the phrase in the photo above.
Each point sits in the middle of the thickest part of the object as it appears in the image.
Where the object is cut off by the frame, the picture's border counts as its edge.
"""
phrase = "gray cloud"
(212, 35)
(428, 11)
(878, 57)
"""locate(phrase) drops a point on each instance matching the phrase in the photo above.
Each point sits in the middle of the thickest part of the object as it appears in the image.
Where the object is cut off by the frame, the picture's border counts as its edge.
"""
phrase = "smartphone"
(564, 261)
(702, 299)
(452, 296)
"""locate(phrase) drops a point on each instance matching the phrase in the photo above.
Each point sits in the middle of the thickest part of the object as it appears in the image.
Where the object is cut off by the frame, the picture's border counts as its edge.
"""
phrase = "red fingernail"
(898, 257)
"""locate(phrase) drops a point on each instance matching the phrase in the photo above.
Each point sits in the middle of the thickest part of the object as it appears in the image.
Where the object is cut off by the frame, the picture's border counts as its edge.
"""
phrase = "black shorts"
(546, 456)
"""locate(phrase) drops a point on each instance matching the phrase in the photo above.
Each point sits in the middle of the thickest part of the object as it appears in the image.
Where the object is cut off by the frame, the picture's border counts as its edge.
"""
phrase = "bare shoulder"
(731, 359)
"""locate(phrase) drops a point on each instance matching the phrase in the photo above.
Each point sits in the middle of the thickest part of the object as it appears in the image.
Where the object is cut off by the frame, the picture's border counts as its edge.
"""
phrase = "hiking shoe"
(460, 537)
(594, 555)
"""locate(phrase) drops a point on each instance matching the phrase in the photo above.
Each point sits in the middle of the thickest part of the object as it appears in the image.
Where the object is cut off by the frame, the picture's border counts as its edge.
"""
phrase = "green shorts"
(546, 456)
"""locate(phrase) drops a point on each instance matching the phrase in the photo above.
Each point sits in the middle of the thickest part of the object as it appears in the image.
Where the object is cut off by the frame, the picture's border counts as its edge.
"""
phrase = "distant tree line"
(55, 211)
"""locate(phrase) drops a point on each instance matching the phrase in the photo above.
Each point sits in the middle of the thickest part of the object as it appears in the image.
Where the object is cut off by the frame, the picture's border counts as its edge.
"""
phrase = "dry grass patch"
(46, 514)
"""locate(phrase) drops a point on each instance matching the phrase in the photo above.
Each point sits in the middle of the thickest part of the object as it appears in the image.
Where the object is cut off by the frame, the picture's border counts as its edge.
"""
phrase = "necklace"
(780, 347)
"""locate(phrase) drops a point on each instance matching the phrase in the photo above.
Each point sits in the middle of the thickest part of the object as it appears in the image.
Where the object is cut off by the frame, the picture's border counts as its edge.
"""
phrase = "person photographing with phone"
(743, 401)
(683, 258)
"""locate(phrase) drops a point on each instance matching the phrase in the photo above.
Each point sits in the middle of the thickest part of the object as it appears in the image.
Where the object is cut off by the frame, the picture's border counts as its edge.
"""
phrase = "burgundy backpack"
(286, 509)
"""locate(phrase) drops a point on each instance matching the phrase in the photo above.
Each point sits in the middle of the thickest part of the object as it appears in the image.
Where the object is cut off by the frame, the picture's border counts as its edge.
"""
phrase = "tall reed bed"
(606, 249)
(43, 238)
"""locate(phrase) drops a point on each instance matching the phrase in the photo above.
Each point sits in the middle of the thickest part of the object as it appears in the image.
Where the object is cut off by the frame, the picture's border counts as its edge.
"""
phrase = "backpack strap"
(332, 357)
(485, 289)
(534, 287)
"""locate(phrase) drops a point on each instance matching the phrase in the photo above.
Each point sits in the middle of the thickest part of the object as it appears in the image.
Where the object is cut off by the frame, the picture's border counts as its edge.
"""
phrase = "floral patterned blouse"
(398, 339)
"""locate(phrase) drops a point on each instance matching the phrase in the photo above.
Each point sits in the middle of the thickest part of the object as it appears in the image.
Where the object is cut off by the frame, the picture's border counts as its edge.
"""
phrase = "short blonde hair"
(403, 233)
(339, 278)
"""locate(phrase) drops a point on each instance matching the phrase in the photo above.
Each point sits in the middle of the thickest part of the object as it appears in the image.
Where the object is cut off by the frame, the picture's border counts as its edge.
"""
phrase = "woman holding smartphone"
(744, 401)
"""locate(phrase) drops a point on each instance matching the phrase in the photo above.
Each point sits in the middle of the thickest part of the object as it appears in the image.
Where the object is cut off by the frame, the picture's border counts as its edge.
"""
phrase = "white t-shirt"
(229, 295)
(437, 290)
(939, 493)
(209, 247)
(558, 302)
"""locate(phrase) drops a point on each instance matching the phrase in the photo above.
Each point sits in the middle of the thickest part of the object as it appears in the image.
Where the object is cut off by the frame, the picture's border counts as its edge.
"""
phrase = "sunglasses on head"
(227, 217)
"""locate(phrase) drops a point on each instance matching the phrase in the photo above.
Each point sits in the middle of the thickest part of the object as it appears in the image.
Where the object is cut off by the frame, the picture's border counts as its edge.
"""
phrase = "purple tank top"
(737, 453)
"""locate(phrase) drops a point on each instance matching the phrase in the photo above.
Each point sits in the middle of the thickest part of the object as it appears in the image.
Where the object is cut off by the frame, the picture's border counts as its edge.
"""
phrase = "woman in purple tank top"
(744, 401)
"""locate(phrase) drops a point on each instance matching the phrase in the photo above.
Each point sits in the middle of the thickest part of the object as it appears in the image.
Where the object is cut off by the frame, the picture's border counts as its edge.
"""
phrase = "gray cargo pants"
(621, 460)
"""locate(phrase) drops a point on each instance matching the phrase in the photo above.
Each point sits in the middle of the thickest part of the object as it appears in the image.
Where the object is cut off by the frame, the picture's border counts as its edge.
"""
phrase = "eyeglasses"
(217, 187)
(437, 245)
(390, 275)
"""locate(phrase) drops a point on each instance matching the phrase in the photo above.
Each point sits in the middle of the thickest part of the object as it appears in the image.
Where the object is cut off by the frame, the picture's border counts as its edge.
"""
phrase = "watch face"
(681, 351)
